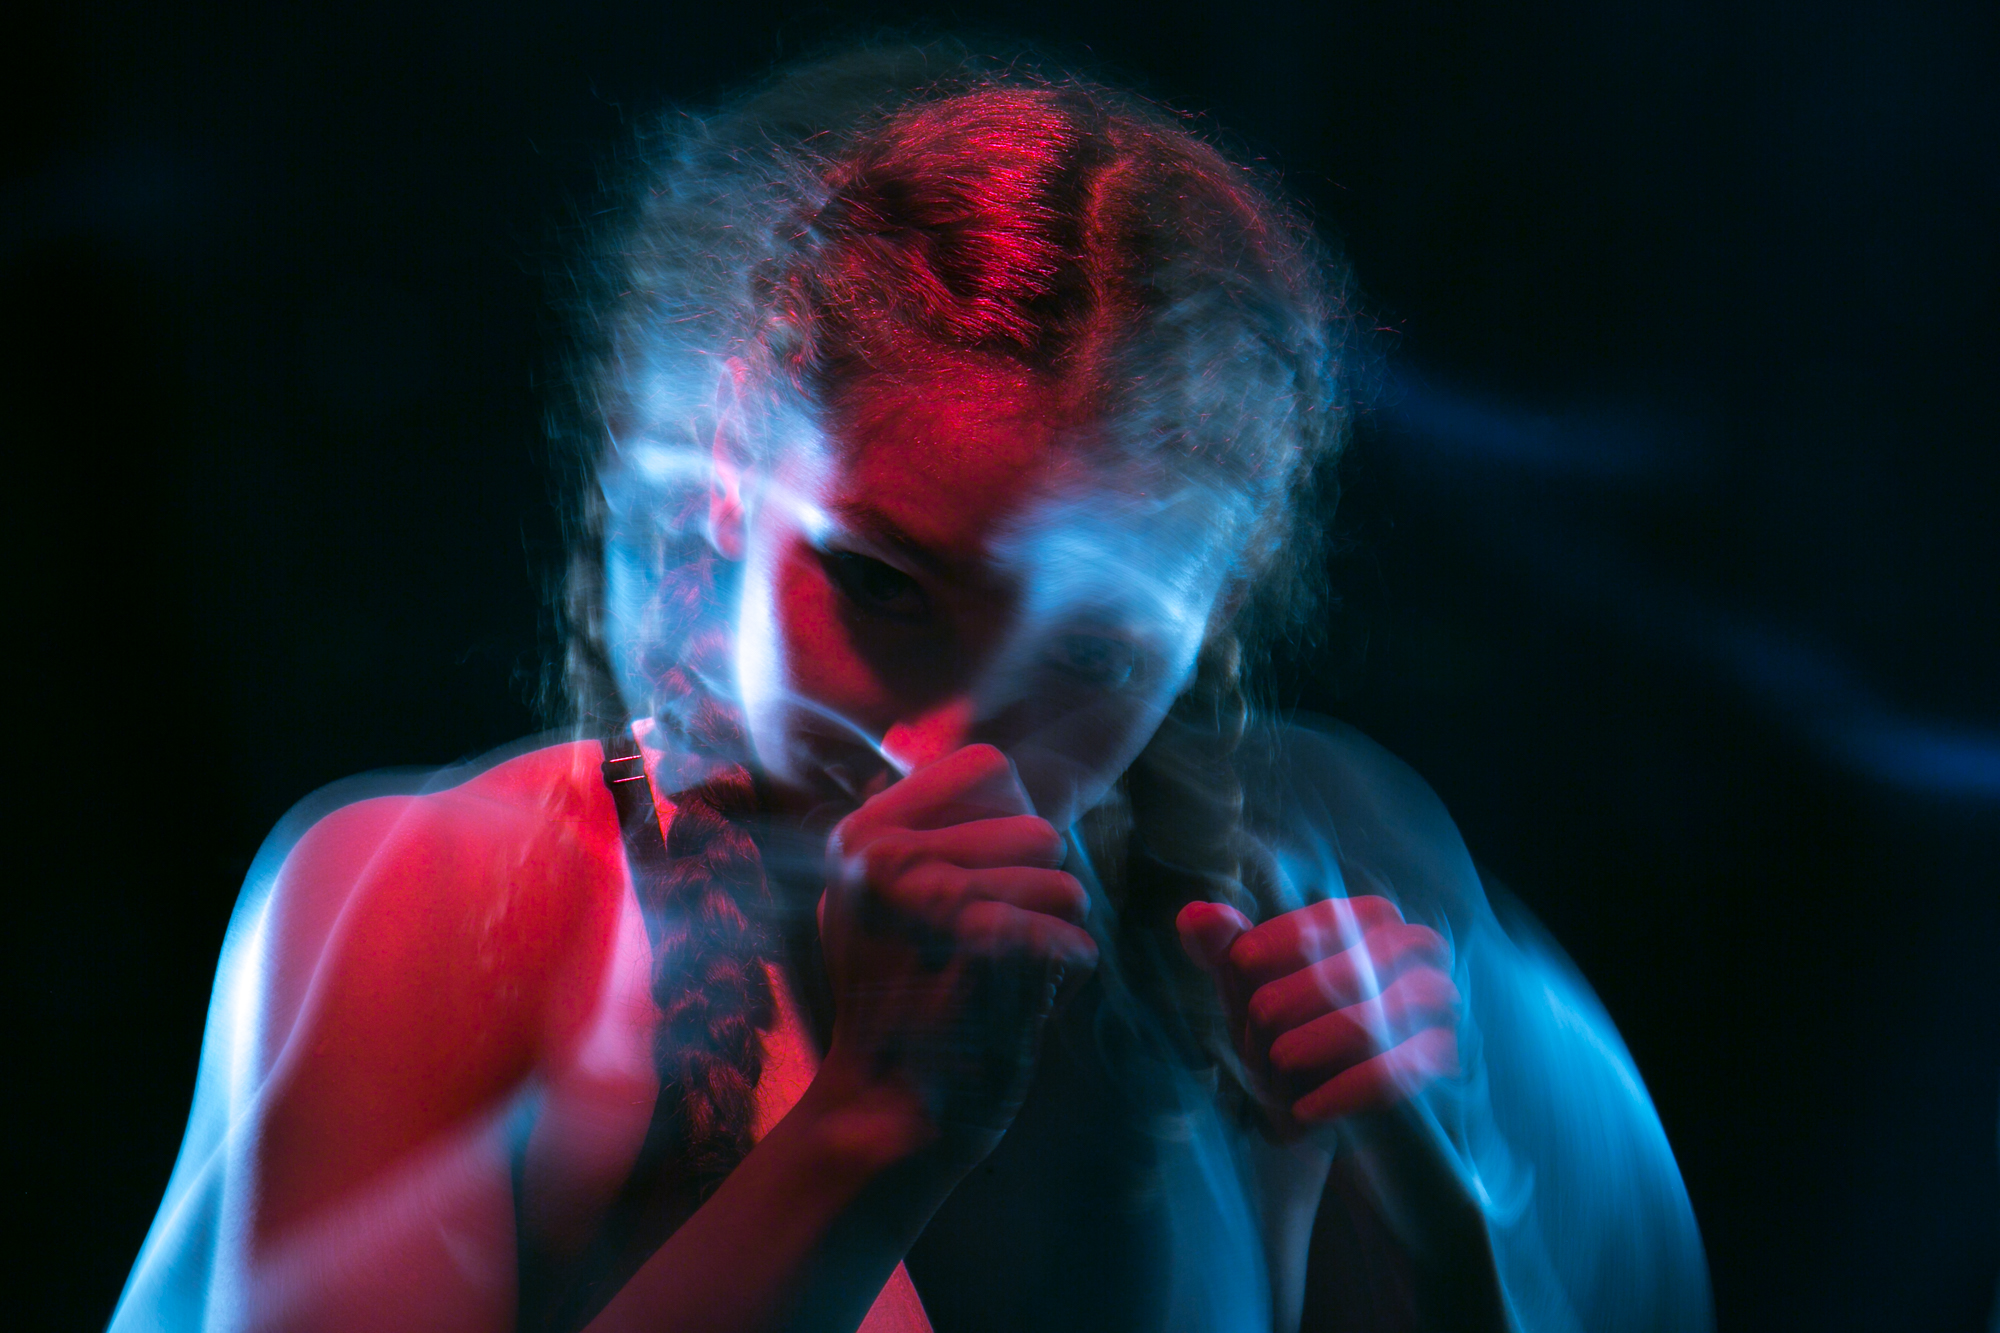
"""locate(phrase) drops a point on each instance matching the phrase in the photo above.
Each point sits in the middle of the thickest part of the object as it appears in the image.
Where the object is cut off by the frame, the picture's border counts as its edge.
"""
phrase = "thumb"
(1207, 930)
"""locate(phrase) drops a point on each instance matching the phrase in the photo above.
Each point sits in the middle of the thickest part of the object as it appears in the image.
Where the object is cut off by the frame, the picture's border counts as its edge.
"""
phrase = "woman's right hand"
(948, 930)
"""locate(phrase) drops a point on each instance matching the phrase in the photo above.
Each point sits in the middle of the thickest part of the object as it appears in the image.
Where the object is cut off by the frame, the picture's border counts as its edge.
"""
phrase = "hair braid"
(709, 977)
(1188, 843)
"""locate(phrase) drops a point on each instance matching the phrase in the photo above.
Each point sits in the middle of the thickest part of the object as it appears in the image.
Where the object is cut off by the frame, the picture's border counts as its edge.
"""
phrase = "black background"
(1668, 552)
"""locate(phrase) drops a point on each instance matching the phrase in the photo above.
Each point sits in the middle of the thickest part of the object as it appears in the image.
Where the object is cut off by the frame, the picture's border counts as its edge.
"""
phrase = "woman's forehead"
(978, 471)
(950, 459)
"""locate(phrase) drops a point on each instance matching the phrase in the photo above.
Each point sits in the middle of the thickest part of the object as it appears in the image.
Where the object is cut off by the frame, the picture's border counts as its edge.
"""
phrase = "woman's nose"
(931, 735)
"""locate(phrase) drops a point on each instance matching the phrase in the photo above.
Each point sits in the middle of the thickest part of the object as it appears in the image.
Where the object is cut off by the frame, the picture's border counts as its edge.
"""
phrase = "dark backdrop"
(1668, 551)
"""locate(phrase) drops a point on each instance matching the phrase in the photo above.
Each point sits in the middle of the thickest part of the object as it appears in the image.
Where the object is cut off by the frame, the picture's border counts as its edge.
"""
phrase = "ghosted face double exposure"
(960, 574)
(945, 425)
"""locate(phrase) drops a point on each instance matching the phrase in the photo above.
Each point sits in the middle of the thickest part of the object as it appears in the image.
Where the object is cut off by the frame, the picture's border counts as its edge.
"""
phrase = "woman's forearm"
(803, 1233)
(1410, 1170)
(1288, 1179)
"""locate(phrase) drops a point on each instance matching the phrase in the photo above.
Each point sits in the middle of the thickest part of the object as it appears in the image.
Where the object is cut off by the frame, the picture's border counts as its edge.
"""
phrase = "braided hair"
(855, 216)
(1184, 840)
(709, 976)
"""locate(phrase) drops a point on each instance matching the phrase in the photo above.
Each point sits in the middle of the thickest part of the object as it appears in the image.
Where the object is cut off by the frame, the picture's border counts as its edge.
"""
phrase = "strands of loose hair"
(1187, 843)
(875, 212)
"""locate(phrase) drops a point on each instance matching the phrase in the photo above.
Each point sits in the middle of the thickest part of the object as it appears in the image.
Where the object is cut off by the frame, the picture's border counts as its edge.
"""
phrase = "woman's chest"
(596, 1191)
(1103, 1208)
(589, 1110)
(1096, 1211)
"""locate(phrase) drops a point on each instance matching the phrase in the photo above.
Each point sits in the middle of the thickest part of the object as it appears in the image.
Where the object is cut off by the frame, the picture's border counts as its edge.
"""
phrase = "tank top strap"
(624, 770)
(790, 1059)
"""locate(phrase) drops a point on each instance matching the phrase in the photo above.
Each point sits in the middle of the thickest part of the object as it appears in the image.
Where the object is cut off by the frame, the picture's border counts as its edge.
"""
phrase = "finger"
(989, 928)
(1299, 938)
(1207, 930)
(1295, 939)
(976, 782)
(1032, 889)
(1387, 1079)
(937, 894)
(1018, 840)
(1346, 978)
(1318, 1050)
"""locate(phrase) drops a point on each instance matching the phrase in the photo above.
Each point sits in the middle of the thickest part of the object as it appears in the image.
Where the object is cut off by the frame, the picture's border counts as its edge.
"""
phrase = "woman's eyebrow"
(868, 521)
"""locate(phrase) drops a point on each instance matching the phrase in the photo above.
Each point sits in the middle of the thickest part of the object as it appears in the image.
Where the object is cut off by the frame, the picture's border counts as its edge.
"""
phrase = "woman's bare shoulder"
(507, 851)
(1327, 772)
(535, 807)
(419, 951)
(1335, 804)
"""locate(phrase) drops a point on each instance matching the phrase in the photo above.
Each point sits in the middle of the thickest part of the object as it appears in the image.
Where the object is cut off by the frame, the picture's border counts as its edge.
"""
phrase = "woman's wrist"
(816, 1218)
(861, 1127)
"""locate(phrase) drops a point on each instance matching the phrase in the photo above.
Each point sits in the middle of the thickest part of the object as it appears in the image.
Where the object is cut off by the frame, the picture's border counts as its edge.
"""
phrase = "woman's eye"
(1094, 660)
(875, 586)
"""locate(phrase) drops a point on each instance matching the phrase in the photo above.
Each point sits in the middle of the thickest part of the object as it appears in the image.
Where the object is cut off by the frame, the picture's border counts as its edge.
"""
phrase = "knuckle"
(1289, 1054)
(1302, 933)
(1058, 941)
(942, 892)
(1430, 985)
(1442, 1000)
(1044, 935)
(986, 760)
(983, 918)
(1337, 927)
(1444, 1053)
(1366, 913)
(881, 860)
(1395, 939)
(1266, 1007)
(1372, 910)
(1426, 940)
(1050, 838)
(1423, 1059)
(1249, 951)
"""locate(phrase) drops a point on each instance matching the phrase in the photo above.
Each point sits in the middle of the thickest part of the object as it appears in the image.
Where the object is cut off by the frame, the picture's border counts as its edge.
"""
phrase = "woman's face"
(957, 576)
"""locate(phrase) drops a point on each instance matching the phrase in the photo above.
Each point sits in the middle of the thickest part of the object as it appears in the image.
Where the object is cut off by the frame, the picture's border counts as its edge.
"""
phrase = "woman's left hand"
(1336, 1008)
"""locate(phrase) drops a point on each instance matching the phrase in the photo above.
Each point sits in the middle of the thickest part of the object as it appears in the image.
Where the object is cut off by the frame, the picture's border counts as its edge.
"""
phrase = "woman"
(923, 934)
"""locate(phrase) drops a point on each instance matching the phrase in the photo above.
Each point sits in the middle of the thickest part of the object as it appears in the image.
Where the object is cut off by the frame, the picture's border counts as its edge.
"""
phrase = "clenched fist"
(947, 928)
(1336, 1008)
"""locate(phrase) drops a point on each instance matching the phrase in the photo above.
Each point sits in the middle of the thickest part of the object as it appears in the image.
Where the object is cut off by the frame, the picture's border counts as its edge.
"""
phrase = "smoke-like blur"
(1666, 553)
(1549, 1156)
(1470, 452)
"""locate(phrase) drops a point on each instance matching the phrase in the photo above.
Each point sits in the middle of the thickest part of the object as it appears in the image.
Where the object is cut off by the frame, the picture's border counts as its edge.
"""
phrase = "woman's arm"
(1344, 1014)
(804, 1232)
(387, 1004)
(947, 929)
(1533, 1190)
(313, 1185)
(381, 1008)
